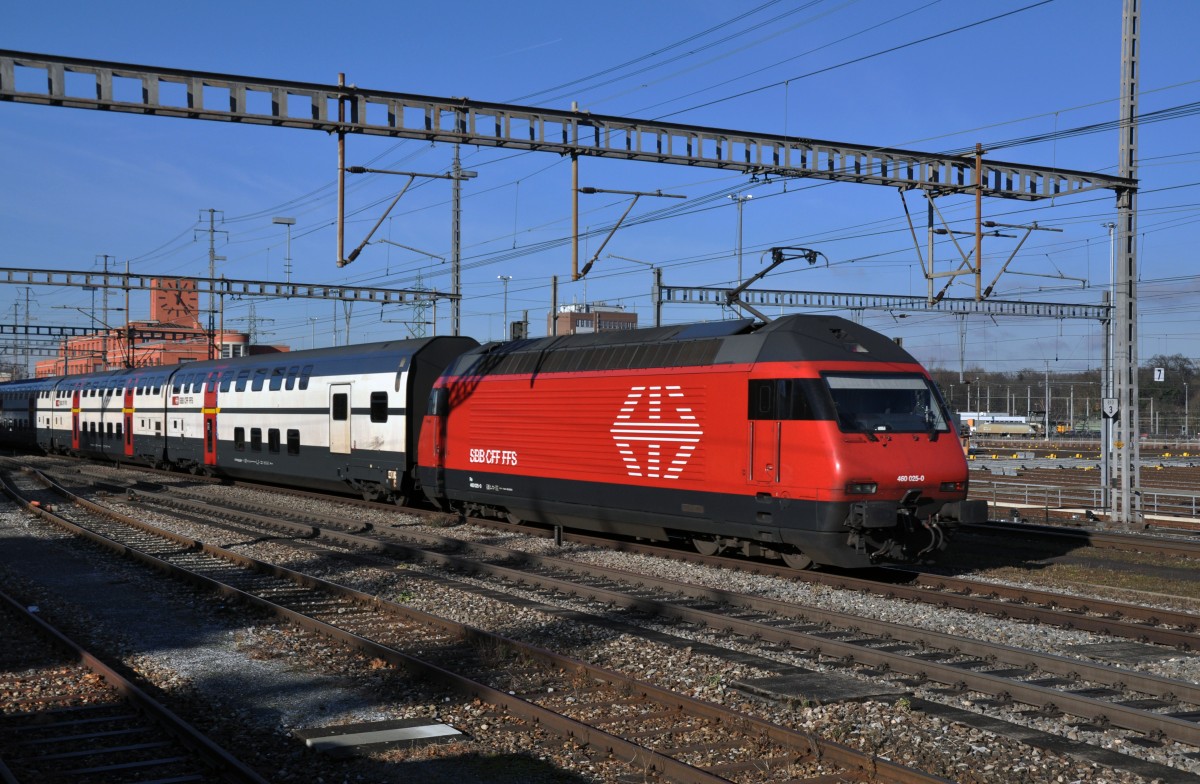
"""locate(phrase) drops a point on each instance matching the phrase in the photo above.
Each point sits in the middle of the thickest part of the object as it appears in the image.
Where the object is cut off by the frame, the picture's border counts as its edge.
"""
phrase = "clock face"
(173, 303)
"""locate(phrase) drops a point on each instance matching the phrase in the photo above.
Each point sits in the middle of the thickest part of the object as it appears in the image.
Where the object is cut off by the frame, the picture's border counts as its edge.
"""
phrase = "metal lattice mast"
(456, 245)
(1127, 506)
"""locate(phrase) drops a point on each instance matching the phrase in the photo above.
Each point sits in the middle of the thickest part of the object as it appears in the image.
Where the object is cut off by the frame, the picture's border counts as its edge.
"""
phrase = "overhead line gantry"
(120, 87)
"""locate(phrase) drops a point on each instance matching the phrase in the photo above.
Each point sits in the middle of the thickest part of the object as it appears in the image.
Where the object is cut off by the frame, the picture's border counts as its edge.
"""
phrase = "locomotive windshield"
(896, 403)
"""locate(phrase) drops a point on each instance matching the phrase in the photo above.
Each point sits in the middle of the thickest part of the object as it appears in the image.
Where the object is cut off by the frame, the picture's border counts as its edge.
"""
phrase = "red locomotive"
(810, 438)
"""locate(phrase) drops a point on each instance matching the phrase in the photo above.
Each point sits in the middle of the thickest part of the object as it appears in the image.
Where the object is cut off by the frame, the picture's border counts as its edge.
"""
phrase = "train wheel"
(706, 546)
(797, 560)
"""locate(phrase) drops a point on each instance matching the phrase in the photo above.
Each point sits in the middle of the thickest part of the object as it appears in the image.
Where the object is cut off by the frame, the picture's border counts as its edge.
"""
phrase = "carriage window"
(341, 407)
(293, 442)
(226, 378)
(379, 406)
(260, 375)
(293, 371)
(277, 378)
(241, 380)
(273, 440)
(239, 438)
(256, 439)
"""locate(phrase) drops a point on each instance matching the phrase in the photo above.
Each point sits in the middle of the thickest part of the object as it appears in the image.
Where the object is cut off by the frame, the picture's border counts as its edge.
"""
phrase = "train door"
(75, 419)
(127, 418)
(339, 419)
(432, 449)
(764, 450)
(210, 420)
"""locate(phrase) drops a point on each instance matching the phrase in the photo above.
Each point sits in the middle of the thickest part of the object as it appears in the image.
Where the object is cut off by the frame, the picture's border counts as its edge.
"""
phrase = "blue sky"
(79, 184)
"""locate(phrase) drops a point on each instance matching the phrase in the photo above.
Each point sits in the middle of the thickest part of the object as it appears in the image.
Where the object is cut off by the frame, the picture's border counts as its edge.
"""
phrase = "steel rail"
(1117, 624)
(1116, 619)
(1104, 539)
(189, 736)
(859, 764)
(1103, 713)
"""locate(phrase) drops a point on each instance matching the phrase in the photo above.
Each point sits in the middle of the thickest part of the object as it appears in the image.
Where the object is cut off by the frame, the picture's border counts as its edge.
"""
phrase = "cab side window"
(780, 398)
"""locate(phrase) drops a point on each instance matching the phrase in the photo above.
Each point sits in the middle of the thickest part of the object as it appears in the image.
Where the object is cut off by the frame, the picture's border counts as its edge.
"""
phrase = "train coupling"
(889, 532)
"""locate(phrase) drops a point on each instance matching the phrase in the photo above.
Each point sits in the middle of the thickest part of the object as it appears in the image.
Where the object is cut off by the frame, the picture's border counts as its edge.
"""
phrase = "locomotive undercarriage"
(711, 545)
(912, 531)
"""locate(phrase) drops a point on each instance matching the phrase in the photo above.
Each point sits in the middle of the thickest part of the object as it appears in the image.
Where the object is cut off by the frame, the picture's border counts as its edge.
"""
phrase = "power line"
(649, 55)
(856, 60)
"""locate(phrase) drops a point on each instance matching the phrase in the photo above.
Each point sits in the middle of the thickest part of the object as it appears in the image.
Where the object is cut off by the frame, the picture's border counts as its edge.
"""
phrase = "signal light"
(954, 487)
(861, 488)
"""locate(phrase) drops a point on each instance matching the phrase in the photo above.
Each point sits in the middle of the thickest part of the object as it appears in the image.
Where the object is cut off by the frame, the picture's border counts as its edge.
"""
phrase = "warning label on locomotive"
(505, 457)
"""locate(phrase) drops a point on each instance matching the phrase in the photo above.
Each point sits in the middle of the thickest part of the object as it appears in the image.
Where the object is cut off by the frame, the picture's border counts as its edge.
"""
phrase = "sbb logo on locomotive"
(651, 417)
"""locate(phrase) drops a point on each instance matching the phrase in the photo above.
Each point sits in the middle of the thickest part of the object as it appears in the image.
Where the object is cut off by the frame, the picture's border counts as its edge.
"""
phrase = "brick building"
(591, 317)
(173, 334)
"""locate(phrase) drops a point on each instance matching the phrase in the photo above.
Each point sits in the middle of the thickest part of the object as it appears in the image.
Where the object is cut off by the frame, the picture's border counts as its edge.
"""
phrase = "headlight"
(954, 487)
(861, 488)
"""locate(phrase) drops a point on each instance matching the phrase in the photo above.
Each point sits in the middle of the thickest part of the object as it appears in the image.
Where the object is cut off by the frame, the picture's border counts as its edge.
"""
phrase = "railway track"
(66, 716)
(1180, 630)
(1175, 546)
(1154, 707)
(605, 714)
(1159, 626)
